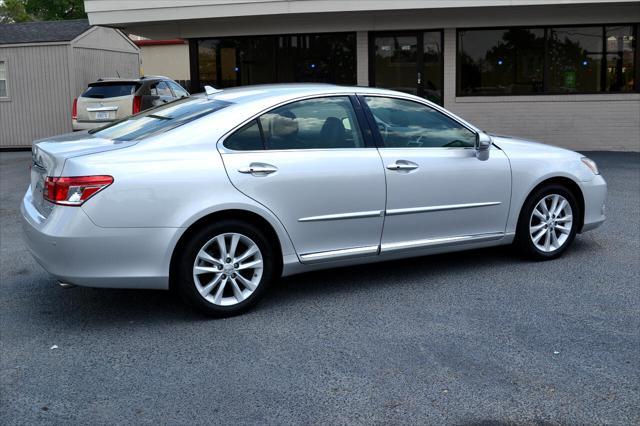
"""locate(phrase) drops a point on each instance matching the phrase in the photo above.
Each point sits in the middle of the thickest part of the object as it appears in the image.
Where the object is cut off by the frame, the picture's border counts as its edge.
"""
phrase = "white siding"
(39, 104)
(169, 60)
(362, 54)
(92, 64)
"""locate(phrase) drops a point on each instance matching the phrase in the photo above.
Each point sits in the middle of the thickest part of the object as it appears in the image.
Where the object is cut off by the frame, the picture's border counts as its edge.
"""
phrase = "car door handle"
(402, 165)
(258, 169)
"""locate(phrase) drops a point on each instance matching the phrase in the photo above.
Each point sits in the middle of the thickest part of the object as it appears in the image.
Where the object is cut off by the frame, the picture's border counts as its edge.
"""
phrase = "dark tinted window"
(501, 62)
(234, 61)
(159, 120)
(407, 124)
(564, 60)
(621, 45)
(109, 90)
(321, 123)
(575, 56)
(248, 138)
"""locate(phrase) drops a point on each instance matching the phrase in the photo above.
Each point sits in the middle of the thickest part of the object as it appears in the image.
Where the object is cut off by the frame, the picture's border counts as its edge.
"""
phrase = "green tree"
(40, 10)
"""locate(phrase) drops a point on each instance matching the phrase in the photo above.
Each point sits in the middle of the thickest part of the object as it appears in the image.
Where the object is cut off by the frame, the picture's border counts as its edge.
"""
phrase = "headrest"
(283, 125)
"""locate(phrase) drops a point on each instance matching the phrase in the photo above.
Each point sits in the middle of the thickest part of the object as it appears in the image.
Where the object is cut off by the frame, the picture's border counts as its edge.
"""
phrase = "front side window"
(178, 90)
(320, 123)
(4, 91)
(161, 89)
(408, 124)
(159, 120)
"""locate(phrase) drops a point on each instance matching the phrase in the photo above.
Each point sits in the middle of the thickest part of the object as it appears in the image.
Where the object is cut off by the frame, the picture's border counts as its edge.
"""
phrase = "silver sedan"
(220, 194)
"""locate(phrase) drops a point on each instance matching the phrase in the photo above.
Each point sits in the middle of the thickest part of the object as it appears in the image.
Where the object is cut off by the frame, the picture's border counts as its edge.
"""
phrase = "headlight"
(591, 164)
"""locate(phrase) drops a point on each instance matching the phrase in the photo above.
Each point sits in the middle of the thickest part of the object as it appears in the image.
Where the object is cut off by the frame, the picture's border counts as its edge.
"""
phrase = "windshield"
(109, 90)
(160, 119)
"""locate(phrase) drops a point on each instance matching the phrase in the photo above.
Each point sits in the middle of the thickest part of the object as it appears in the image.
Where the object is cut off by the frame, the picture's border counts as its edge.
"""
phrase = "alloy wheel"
(551, 223)
(228, 269)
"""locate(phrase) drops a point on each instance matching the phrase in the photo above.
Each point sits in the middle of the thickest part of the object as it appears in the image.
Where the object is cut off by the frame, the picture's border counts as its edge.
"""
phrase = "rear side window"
(107, 90)
(159, 120)
(248, 138)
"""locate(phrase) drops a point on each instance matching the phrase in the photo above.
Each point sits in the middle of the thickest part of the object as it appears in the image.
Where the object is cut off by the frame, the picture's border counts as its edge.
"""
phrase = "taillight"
(74, 110)
(74, 191)
(137, 104)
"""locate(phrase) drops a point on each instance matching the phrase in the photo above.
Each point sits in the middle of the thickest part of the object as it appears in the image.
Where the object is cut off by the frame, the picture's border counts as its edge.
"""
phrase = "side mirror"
(483, 145)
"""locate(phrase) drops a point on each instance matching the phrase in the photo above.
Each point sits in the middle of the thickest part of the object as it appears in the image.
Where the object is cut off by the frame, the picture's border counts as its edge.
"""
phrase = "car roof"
(266, 92)
(141, 79)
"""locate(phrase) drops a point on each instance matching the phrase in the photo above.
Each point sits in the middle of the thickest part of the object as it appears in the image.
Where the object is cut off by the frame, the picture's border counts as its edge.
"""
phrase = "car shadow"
(79, 307)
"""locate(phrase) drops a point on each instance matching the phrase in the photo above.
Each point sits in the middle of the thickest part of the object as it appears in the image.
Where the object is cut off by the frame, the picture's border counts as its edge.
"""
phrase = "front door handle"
(402, 165)
(258, 169)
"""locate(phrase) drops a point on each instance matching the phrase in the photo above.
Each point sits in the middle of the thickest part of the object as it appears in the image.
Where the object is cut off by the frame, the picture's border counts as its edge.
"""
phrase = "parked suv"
(111, 99)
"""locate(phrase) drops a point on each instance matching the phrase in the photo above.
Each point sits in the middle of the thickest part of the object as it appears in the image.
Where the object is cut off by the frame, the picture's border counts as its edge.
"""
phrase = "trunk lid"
(49, 156)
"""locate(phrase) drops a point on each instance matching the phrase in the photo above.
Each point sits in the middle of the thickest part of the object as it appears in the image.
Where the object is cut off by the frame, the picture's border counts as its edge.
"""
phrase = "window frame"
(545, 78)
(6, 80)
(364, 128)
(428, 104)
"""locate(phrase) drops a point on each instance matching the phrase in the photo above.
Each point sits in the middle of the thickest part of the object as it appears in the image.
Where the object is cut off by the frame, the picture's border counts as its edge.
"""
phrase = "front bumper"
(74, 250)
(595, 198)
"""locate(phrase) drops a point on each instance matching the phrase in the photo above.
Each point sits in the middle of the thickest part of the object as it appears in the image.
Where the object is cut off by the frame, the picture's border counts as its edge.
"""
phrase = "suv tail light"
(74, 191)
(74, 109)
(137, 104)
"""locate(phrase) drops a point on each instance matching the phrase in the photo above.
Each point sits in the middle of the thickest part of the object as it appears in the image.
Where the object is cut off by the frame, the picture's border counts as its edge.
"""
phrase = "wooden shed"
(45, 65)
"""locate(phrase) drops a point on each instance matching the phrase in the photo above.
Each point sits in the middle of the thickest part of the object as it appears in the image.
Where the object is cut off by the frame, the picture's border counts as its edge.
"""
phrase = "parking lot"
(480, 337)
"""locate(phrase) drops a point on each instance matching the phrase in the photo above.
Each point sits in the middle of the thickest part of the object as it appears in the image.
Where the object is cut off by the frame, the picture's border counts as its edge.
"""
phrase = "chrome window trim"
(413, 210)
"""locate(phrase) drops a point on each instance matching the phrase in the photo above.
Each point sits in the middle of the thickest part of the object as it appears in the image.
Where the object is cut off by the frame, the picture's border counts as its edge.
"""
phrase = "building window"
(4, 90)
(551, 60)
(236, 61)
(408, 61)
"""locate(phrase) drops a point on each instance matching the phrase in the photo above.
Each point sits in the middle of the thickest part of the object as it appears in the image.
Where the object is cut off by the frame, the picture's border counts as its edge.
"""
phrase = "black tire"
(523, 239)
(186, 285)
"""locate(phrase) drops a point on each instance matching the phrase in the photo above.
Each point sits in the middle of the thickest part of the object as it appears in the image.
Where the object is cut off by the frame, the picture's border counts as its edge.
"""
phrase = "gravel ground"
(479, 337)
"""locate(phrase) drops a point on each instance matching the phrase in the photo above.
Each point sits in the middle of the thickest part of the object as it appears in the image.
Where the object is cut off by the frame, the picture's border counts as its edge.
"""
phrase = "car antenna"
(117, 73)
(211, 90)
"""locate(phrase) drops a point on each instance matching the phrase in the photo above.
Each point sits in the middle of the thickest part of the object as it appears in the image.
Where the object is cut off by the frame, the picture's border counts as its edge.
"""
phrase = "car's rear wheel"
(225, 268)
(548, 223)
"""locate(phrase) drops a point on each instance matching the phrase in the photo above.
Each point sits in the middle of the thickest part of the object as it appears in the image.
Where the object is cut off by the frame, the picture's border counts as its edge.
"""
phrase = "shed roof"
(42, 32)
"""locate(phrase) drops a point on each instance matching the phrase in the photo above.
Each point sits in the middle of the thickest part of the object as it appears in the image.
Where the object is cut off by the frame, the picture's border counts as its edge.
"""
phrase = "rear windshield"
(160, 119)
(109, 90)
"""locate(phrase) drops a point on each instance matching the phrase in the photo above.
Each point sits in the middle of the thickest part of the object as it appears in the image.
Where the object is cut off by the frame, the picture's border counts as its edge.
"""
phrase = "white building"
(565, 72)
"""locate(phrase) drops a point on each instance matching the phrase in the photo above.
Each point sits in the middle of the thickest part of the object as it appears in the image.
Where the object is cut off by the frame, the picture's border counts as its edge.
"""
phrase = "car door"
(438, 192)
(309, 163)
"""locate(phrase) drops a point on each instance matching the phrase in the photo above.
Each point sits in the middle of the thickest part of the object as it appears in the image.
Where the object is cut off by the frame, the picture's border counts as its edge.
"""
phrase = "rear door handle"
(258, 169)
(401, 165)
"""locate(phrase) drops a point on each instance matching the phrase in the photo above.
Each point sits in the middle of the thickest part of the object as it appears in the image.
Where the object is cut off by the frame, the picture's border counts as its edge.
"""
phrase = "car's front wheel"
(548, 223)
(225, 268)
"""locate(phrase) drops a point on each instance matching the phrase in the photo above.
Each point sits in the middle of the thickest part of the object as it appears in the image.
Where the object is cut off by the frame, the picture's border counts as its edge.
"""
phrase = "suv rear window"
(160, 119)
(109, 90)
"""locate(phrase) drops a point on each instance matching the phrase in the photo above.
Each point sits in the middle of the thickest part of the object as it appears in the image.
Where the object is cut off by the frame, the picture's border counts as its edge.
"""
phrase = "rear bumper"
(74, 250)
(595, 197)
(88, 125)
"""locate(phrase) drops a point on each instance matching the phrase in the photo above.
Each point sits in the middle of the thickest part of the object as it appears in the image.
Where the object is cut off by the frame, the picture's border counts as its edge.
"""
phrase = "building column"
(362, 58)
(449, 53)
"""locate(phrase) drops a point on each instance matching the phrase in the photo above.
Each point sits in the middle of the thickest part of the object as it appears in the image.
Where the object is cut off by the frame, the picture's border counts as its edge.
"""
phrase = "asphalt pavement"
(481, 337)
